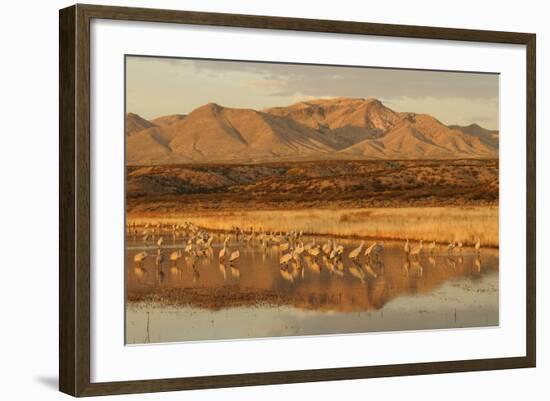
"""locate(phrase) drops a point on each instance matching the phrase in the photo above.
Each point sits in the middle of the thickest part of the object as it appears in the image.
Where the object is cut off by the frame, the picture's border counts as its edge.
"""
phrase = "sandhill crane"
(223, 251)
(296, 256)
(263, 240)
(247, 237)
(200, 250)
(416, 251)
(478, 245)
(237, 233)
(160, 241)
(299, 249)
(337, 250)
(234, 256)
(159, 260)
(369, 250)
(208, 243)
(459, 246)
(314, 251)
(285, 259)
(328, 263)
(357, 251)
(407, 247)
(274, 239)
(332, 268)
(355, 272)
(208, 252)
(284, 246)
(378, 248)
(451, 247)
(200, 240)
(140, 257)
(309, 245)
(175, 256)
(327, 248)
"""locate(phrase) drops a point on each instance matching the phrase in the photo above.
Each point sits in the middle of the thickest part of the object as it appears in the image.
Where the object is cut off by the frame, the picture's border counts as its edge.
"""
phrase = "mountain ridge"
(317, 129)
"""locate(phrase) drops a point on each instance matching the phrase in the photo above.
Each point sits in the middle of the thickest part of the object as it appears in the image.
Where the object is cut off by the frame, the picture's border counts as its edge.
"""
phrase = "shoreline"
(440, 224)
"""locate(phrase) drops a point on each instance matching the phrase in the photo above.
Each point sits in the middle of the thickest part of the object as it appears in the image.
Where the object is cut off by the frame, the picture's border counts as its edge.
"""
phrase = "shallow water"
(205, 300)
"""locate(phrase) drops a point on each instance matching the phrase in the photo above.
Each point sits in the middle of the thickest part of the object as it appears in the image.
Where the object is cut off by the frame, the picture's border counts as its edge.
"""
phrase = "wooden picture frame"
(74, 199)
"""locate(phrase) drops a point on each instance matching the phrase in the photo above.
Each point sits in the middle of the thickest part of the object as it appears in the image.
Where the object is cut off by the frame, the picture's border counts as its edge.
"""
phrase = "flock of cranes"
(294, 255)
(416, 251)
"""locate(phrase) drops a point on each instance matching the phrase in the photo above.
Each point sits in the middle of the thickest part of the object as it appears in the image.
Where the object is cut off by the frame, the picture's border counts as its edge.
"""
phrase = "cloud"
(170, 85)
(268, 85)
(289, 79)
(301, 97)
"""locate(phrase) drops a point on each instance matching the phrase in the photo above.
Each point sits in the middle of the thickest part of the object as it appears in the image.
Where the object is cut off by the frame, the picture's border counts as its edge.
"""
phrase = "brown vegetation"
(167, 190)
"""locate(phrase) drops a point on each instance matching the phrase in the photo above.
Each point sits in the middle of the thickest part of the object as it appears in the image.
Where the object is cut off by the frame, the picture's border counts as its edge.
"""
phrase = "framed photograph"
(250, 200)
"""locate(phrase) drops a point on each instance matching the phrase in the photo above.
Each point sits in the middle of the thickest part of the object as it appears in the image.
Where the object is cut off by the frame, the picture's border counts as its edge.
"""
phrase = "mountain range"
(320, 129)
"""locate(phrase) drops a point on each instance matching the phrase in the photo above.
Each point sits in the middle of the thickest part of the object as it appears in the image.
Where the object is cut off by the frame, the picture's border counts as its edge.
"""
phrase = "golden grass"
(440, 224)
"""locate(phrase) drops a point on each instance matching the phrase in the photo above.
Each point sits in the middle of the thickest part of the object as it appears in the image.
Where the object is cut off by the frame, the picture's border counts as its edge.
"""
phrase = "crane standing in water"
(356, 252)
(234, 256)
(293, 254)
(140, 258)
(374, 250)
(159, 260)
(431, 247)
(175, 256)
(478, 245)
(451, 247)
(224, 250)
(416, 251)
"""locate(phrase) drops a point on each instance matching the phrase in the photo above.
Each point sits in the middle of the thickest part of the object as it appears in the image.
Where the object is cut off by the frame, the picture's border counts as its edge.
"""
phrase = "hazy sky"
(160, 86)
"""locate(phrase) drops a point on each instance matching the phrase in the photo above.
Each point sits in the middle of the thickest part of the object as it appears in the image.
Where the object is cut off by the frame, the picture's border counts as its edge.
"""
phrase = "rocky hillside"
(333, 129)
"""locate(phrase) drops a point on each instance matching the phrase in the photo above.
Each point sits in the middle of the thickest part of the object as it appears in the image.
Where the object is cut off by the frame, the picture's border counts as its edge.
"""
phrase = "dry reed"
(442, 224)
